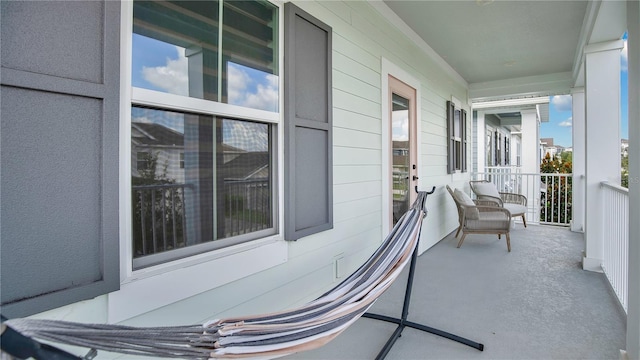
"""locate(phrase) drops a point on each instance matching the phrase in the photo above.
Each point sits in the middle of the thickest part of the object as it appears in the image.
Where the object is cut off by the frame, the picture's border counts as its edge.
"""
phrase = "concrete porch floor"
(533, 303)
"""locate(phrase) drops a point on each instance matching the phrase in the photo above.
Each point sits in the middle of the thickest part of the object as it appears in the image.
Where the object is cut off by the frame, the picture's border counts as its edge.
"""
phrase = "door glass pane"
(400, 156)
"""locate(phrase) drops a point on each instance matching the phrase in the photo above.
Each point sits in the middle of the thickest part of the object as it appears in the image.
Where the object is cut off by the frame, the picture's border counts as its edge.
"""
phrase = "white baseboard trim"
(591, 264)
(623, 355)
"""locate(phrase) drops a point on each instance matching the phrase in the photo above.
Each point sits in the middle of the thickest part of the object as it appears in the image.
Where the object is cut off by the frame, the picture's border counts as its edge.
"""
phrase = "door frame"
(390, 69)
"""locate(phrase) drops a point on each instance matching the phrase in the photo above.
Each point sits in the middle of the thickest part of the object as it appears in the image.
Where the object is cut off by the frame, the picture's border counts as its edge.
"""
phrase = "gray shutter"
(59, 143)
(463, 128)
(450, 139)
(308, 125)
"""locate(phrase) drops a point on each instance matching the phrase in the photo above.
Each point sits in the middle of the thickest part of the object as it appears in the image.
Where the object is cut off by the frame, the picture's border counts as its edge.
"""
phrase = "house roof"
(245, 166)
(151, 134)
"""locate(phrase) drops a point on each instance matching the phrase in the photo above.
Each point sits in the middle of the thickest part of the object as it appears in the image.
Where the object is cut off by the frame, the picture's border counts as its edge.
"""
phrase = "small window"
(143, 160)
(507, 155)
(489, 147)
(457, 142)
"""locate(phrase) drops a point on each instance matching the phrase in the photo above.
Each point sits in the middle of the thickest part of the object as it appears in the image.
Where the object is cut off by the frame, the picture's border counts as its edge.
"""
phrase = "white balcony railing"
(548, 195)
(615, 213)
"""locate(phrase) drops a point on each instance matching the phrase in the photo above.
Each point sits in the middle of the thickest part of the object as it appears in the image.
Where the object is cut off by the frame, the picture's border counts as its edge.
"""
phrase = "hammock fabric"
(261, 336)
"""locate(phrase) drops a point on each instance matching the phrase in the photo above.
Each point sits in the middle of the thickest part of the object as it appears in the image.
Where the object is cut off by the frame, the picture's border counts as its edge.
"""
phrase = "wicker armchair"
(515, 203)
(480, 217)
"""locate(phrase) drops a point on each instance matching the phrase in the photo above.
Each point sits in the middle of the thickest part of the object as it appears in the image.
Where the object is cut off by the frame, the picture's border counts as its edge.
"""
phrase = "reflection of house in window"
(246, 186)
(400, 164)
(165, 146)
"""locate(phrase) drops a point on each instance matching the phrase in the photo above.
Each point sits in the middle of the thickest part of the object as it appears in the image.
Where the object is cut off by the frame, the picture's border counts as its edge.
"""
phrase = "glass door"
(404, 167)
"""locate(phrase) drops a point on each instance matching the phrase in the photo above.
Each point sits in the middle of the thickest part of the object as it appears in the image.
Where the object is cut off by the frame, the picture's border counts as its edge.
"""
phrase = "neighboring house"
(506, 133)
(548, 147)
(159, 145)
(624, 147)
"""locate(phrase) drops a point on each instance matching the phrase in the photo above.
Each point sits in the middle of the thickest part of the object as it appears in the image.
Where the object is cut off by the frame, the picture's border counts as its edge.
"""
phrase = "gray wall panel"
(307, 125)
(40, 30)
(311, 167)
(53, 188)
(59, 153)
(310, 84)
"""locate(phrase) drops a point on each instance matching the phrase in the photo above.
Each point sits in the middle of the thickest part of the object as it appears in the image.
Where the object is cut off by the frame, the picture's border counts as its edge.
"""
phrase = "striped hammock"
(261, 336)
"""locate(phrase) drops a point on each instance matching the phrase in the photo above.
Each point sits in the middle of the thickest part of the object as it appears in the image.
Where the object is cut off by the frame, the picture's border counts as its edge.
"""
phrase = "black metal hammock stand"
(402, 322)
(265, 336)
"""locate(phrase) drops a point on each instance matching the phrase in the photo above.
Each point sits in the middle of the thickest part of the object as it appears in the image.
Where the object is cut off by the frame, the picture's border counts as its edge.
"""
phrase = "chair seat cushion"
(515, 209)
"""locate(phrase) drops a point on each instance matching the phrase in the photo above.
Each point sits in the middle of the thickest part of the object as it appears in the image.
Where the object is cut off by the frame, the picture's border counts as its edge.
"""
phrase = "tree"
(556, 195)
(158, 209)
(624, 175)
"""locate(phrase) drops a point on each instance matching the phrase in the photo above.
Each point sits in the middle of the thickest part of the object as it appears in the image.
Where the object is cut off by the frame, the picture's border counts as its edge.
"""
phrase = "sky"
(560, 122)
(161, 66)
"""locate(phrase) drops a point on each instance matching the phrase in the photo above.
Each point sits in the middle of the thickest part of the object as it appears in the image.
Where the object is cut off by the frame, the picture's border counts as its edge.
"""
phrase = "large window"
(202, 174)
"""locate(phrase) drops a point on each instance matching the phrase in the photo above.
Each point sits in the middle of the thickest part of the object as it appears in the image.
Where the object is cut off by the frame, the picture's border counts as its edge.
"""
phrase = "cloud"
(624, 57)
(400, 125)
(561, 102)
(254, 89)
(565, 124)
(172, 77)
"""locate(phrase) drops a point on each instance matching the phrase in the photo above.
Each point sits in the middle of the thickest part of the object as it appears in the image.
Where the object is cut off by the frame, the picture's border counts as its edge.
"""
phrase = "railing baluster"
(184, 217)
(173, 217)
(616, 247)
(142, 224)
(164, 220)
(153, 220)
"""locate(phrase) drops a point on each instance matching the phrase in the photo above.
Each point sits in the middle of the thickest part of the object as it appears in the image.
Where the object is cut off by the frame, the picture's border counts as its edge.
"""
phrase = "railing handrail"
(160, 186)
(615, 187)
(518, 174)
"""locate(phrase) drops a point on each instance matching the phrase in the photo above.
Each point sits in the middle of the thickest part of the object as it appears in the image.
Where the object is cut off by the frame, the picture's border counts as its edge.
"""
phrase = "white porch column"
(530, 141)
(578, 127)
(530, 160)
(633, 48)
(481, 155)
(602, 98)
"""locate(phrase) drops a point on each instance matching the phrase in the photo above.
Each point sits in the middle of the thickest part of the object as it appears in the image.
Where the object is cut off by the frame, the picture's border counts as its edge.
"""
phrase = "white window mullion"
(168, 101)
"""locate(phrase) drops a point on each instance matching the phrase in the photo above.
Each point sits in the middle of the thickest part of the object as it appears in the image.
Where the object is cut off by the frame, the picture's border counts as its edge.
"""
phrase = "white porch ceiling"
(502, 48)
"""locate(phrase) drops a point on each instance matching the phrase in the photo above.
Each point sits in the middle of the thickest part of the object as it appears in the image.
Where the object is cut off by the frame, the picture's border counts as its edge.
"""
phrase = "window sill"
(151, 288)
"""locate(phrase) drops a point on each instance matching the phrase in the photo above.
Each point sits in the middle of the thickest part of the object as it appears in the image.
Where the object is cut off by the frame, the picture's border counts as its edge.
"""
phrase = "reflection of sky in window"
(400, 125)
(161, 66)
(252, 88)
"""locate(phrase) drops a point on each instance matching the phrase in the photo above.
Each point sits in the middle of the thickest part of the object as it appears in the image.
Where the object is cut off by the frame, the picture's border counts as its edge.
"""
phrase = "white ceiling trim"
(528, 86)
(511, 102)
(395, 20)
(585, 33)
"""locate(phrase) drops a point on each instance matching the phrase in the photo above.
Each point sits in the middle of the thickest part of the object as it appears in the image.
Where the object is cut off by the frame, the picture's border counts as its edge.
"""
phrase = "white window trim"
(150, 288)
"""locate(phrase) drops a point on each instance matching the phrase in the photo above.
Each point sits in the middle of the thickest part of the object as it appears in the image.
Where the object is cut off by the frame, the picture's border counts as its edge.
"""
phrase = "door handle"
(415, 178)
